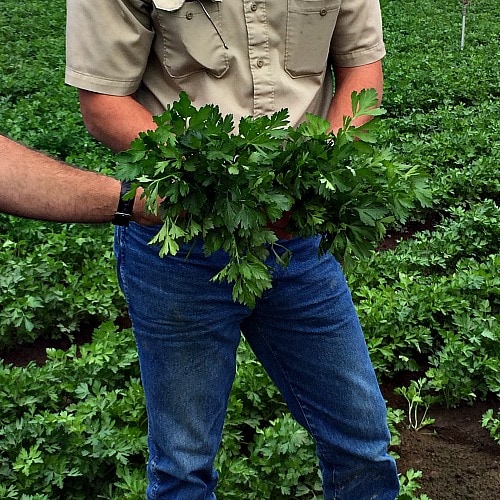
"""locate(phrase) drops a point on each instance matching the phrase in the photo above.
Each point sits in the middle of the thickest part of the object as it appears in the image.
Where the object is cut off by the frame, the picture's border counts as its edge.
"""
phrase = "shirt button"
(254, 7)
(323, 12)
(189, 16)
(260, 63)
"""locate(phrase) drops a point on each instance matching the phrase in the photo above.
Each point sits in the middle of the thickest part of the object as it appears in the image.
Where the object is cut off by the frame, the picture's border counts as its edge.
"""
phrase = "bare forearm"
(348, 80)
(115, 121)
(35, 186)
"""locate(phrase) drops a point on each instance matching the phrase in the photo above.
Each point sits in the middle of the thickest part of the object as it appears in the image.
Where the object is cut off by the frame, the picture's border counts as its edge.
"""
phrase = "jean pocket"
(190, 40)
(309, 30)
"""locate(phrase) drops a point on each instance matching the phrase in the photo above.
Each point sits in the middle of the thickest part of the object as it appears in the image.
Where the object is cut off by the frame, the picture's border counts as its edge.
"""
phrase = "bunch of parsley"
(207, 181)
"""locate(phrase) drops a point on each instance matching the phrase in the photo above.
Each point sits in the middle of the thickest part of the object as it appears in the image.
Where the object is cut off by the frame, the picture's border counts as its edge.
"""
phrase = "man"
(130, 58)
(35, 186)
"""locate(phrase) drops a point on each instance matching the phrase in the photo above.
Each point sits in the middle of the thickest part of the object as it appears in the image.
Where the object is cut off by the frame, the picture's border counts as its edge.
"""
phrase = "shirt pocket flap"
(169, 5)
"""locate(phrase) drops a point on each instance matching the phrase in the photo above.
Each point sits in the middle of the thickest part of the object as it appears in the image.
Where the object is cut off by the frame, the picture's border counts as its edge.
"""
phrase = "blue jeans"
(304, 331)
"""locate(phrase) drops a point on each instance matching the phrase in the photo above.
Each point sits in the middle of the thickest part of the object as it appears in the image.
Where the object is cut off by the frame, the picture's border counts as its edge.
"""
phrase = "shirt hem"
(359, 58)
(98, 84)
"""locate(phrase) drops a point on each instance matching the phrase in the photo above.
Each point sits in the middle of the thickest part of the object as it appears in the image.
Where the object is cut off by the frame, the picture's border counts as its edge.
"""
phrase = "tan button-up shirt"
(250, 57)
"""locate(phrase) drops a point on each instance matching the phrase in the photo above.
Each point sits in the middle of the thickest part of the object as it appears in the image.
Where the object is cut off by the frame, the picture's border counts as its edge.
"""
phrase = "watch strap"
(123, 213)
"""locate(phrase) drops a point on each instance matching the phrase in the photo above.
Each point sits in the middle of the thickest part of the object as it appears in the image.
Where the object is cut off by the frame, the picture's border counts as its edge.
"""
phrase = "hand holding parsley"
(206, 181)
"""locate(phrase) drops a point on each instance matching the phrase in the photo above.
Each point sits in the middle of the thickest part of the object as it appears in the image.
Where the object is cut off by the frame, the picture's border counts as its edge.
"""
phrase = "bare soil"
(458, 458)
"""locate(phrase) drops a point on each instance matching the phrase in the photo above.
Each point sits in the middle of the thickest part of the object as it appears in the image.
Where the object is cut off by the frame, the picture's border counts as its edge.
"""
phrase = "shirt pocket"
(187, 41)
(309, 30)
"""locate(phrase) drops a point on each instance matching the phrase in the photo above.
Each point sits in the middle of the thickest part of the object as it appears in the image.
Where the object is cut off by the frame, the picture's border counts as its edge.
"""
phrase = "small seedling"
(418, 403)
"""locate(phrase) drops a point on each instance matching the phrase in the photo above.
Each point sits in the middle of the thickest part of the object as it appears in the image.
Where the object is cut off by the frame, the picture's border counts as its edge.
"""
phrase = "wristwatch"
(123, 213)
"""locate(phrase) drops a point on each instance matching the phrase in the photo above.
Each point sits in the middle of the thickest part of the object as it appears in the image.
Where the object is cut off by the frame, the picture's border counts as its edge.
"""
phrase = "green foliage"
(36, 107)
(226, 188)
(425, 68)
(418, 403)
(409, 485)
(76, 425)
(492, 424)
(442, 102)
(280, 463)
(430, 305)
(458, 144)
(395, 416)
(53, 279)
(433, 303)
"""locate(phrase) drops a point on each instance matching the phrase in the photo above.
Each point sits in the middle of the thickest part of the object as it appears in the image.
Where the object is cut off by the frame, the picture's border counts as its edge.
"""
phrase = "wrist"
(139, 210)
(141, 214)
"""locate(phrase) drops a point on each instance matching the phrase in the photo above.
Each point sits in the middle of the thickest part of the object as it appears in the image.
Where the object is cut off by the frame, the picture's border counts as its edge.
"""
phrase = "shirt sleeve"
(107, 44)
(357, 38)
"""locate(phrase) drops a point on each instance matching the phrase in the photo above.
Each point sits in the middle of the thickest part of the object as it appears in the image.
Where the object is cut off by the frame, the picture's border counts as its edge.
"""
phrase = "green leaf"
(369, 216)
(314, 126)
(365, 103)
(183, 106)
(199, 118)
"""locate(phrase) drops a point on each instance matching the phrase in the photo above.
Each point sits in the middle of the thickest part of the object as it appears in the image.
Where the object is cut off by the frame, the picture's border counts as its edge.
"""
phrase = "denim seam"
(295, 395)
(123, 277)
(121, 262)
(153, 470)
(121, 234)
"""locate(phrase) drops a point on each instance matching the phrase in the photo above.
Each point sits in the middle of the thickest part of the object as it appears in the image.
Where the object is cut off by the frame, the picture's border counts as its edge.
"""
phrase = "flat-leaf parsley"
(207, 181)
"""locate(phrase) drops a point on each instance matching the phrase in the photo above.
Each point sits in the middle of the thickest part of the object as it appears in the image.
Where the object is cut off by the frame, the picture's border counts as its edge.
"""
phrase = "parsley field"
(428, 300)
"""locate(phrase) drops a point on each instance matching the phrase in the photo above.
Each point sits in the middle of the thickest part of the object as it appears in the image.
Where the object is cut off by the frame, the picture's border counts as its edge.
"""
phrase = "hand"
(141, 214)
